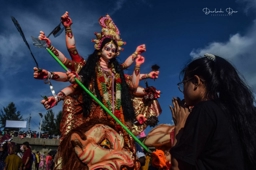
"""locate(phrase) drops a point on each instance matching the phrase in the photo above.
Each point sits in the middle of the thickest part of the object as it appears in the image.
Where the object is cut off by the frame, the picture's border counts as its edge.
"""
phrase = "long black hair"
(90, 76)
(224, 84)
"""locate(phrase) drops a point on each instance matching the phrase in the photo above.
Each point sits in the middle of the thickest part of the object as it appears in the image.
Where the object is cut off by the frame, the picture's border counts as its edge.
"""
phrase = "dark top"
(27, 154)
(208, 140)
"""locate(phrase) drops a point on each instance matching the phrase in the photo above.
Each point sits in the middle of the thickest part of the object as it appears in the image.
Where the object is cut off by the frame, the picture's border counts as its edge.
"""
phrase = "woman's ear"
(197, 80)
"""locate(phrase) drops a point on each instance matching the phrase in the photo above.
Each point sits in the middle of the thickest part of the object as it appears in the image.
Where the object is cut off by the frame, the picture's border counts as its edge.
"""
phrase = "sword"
(17, 25)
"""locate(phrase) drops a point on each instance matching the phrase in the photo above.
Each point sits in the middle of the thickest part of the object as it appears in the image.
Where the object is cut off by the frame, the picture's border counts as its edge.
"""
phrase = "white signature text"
(228, 11)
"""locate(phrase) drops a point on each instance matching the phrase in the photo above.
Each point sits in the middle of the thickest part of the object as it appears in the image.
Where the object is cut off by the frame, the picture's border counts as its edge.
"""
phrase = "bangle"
(73, 50)
(60, 96)
(51, 47)
(69, 32)
(124, 66)
(134, 55)
(68, 29)
(49, 75)
(54, 76)
(137, 70)
(54, 50)
(137, 67)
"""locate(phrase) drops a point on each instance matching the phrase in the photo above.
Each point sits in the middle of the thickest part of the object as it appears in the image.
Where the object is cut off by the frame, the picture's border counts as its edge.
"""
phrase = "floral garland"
(107, 94)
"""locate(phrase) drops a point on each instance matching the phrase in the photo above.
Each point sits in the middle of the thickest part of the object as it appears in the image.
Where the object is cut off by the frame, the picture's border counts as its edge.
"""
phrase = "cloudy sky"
(174, 33)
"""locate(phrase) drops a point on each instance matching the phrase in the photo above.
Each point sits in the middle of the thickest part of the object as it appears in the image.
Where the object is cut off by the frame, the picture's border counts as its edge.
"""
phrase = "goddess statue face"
(109, 51)
(103, 148)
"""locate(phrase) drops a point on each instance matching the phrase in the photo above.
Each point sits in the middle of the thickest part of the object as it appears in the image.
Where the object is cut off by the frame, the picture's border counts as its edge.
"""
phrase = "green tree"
(9, 113)
(51, 124)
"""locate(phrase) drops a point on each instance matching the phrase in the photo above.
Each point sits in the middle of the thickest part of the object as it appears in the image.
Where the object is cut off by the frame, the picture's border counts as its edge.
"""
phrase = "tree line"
(50, 123)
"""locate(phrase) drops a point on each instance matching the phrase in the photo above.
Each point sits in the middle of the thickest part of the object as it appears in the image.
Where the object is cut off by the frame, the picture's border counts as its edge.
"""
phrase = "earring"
(99, 53)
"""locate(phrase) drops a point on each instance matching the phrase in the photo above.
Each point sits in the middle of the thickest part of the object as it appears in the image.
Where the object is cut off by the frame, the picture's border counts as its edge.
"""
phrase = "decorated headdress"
(109, 30)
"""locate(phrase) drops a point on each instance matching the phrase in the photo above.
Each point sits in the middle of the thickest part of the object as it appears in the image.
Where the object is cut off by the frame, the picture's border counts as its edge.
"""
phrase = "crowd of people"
(26, 134)
(22, 157)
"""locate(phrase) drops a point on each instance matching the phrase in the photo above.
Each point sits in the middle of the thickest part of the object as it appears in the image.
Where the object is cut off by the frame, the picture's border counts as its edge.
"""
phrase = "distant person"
(12, 161)
(219, 132)
(19, 152)
(48, 161)
(3, 155)
(37, 161)
(42, 165)
(33, 159)
(27, 158)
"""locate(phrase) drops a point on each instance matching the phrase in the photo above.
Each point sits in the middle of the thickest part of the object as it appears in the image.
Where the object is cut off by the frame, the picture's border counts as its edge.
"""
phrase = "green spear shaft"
(101, 104)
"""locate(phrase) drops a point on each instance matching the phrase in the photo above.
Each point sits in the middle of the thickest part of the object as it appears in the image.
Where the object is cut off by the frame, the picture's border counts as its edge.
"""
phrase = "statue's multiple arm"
(70, 39)
(52, 101)
(129, 61)
(77, 62)
(44, 74)
(152, 75)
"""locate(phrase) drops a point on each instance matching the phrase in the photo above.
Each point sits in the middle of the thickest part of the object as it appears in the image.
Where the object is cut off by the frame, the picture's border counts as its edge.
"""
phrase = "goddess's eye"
(105, 143)
(107, 48)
